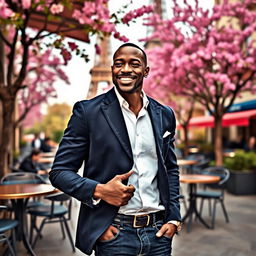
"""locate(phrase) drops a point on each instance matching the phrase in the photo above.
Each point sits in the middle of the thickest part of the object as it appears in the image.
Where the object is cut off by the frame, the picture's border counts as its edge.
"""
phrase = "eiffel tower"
(101, 77)
(160, 9)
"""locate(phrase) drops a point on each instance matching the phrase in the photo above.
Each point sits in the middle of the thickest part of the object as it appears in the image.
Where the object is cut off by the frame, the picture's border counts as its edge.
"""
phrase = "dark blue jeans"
(131, 241)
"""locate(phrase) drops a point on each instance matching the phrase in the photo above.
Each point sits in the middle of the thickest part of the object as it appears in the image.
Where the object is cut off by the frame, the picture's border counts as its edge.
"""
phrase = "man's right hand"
(115, 192)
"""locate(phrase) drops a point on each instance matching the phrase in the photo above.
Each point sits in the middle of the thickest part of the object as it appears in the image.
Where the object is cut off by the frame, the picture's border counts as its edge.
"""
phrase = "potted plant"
(242, 168)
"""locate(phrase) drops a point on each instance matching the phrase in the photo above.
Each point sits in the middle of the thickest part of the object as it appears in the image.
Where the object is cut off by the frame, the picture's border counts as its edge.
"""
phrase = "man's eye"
(135, 65)
(118, 64)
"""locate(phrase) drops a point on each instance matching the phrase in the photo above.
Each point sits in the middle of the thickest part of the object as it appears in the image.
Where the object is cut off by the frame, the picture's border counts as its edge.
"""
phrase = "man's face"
(35, 158)
(128, 69)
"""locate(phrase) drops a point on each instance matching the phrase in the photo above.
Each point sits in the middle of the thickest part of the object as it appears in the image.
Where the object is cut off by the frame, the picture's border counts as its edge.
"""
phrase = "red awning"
(241, 118)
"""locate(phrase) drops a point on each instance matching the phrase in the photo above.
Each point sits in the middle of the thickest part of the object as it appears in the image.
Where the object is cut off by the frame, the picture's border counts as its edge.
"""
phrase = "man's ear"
(146, 72)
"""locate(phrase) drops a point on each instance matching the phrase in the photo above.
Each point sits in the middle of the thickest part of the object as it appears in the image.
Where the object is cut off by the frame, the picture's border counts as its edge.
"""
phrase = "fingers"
(109, 233)
(166, 230)
(129, 189)
(113, 229)
(125, 176)
(162, 231)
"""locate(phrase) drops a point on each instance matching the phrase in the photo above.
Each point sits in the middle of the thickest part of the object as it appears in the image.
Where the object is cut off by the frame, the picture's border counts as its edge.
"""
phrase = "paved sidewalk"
(237, 238)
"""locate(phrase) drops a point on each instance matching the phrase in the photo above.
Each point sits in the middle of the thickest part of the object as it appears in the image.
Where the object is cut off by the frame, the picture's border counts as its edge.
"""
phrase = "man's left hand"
(167, 230)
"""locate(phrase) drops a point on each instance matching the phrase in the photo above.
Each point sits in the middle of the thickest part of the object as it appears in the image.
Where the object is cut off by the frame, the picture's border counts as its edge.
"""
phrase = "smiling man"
(130, 185)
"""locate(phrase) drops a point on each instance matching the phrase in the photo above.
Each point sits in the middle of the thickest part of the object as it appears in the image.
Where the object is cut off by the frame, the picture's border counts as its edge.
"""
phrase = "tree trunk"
(6, 135)
(218, 141)
(186, 143)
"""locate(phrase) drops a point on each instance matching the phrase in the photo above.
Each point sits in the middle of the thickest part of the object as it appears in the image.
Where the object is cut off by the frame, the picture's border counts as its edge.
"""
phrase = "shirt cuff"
(96, 201)
(174, 222)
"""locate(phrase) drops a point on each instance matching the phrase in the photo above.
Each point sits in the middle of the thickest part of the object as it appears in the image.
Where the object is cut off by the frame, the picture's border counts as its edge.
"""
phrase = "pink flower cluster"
(96, 14)
(43, 70)
(202, 59)
(56, 8)
(136, 13)
(73, 46)
(26, 4)
(5, 11)
(66, 55)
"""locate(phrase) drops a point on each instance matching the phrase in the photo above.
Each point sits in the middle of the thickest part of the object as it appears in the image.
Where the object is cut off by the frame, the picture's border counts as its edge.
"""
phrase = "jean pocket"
(168, 237)
(112, 238)
(158, 226)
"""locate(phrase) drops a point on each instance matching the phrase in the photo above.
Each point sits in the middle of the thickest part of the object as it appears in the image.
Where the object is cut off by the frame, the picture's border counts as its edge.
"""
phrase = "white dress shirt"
(37, 143)
(146, 197)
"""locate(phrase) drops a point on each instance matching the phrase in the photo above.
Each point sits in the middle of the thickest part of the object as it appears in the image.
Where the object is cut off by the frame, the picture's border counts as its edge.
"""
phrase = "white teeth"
(126, 79)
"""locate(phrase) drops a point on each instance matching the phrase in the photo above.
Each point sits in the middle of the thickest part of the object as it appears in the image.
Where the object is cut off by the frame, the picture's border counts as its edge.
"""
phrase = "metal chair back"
(22, 178)
(220, 171)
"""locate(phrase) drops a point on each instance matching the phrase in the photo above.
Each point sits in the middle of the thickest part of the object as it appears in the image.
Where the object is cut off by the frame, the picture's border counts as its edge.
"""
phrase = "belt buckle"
(135, 221)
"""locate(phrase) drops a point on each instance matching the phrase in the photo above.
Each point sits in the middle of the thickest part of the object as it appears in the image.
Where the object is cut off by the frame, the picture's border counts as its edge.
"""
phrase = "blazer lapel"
(113, 114)
(155, 113)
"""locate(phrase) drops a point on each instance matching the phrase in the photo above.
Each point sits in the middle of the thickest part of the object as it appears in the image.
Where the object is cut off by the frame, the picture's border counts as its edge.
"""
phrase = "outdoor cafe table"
(47, 154)
(186, 163)
(19, 195)
(192, 180)
(46, 160)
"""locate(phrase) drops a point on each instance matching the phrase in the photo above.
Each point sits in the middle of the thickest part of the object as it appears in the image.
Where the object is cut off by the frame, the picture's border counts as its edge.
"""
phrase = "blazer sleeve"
(172, 167)
(72, 151)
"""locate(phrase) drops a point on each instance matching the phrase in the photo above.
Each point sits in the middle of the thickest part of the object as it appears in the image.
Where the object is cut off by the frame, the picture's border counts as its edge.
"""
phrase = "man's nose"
(126, 68)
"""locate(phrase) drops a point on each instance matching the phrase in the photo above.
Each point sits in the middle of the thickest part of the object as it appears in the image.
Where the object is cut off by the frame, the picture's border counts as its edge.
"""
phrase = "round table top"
(198, 178)
(46, 160)
(17, 191)
(183, 162)
(47, 154)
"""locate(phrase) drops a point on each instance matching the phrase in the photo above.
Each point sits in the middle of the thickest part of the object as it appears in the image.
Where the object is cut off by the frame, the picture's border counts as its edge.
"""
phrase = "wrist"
(176, 223)
(98, 191)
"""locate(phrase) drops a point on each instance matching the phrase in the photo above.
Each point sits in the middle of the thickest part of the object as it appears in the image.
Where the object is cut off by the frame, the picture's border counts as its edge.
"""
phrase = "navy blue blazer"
(97, 135)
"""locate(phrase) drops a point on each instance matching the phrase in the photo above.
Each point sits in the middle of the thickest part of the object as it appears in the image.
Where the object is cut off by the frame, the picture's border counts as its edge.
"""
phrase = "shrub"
(242, 161)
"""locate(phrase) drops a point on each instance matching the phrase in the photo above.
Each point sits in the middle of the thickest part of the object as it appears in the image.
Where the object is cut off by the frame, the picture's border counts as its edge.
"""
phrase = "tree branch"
(11, 57)
(4, 39)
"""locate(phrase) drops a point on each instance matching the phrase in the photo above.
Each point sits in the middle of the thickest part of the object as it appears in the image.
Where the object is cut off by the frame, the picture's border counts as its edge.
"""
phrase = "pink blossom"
(26, 4)
(98, 49)
(209, 57)
(56, 8)
(66, 55)
(5, 12)
(72, 46)
(136, 13)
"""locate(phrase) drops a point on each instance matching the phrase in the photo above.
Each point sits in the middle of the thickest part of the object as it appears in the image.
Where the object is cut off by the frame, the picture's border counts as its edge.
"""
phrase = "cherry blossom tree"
(183, 108)
(26, 61)
(207, 55)
(42, 71)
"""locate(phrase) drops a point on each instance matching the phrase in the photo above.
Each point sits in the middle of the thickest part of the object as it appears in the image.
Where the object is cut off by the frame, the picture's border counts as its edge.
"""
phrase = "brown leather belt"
(139, 221)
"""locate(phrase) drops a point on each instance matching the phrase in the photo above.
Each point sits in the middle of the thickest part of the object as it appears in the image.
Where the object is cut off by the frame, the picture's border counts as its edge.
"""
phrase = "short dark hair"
(135, 46)
(35, 152)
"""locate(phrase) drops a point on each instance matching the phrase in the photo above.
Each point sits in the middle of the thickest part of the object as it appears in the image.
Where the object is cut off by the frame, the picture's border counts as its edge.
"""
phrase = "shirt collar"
(123, 102)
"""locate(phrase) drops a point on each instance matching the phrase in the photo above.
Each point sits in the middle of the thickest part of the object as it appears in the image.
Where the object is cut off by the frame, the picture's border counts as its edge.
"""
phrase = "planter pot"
(242, 183)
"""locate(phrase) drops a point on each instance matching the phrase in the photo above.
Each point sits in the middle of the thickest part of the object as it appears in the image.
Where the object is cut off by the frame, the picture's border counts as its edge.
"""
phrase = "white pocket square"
(166, 134)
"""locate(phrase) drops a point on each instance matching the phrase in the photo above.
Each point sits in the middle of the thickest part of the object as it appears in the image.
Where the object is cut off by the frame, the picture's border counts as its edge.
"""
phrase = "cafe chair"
(55, 212)
(8, 225)
(183, 200)
(202, 164)
(214, 191)
(22, 178)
